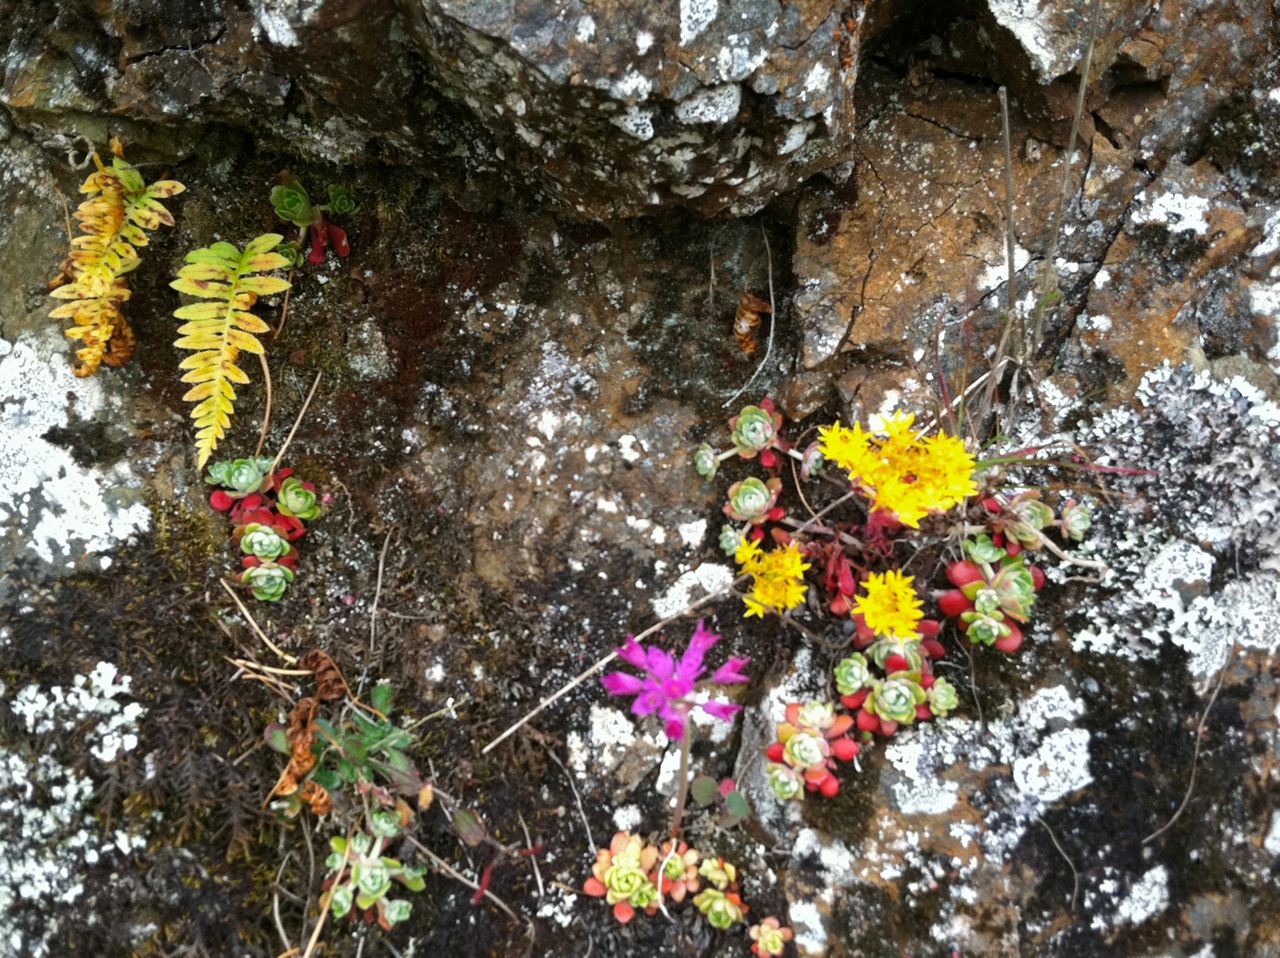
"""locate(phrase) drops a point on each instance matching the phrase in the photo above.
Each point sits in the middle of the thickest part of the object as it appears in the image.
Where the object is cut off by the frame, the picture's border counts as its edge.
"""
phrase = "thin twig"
(1049, 282)
(456, 875)
(586, 826)
(1075, 890)
(1195, 756)
(773, 322)
(284, 310)
(973, 686)
(327, 899)
(533, 858)
(266, 413)
(275, 906)
(296, 423)
(254, 625)
(583, 676)
(377, 594)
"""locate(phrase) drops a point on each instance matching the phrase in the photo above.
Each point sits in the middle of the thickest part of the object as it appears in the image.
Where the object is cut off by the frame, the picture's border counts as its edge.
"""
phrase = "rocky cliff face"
(561, 207)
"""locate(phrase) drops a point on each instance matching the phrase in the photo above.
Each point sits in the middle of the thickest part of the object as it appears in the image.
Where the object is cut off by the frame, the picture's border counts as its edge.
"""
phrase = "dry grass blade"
(296, 423)
(266, 413)
(254, 625)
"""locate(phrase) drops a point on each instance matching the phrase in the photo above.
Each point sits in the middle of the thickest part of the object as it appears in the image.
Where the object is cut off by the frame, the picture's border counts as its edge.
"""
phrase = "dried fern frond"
(220, 328)
(114, 220)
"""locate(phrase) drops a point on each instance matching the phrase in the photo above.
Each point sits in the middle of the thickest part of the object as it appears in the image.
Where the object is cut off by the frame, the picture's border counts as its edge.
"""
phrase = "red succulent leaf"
(954, 602)
(1011, 642)
(595, 887)
(896, 663)
(221, 501)
(933, 647)
(775, 752)
(854, 701)
(776, 514)
(991, 504)
(1013, 548)
(338, 237)
(929, 628)
(868, 721)
(1037, 576)
(844, 749)
(623, 912)
(924, 712)
(793, 713)
(887, 728)
(927, 680)
(830, 786)
(841, 725)
(963, 572)
(840, 605)
(768, 459)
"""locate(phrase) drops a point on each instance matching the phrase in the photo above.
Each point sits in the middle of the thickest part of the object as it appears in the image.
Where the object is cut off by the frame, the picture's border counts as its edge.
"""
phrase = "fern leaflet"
(114, 220)
(220, 329)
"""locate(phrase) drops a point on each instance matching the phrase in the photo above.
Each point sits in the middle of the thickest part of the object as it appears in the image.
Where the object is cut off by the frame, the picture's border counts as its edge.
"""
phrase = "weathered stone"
(1151, 300)
(613, 109)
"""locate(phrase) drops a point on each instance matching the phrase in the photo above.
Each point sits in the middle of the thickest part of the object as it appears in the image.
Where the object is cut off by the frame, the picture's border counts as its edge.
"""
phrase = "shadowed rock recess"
(560, 206)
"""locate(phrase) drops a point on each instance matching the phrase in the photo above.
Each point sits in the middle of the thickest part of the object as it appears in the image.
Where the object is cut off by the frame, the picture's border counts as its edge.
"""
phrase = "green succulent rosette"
(895, 699)
(263, 541)
(754, 429)
(292, 204)
(268, 582)
(296, 500)
(626, 881)
(786, 784)
(340, 202)
(239, 476)
(751, 499)
(943, 697)
(731, 539)
(805, 749)
(853, 674)
(706, 460)
(721, 911)
(1076, 519)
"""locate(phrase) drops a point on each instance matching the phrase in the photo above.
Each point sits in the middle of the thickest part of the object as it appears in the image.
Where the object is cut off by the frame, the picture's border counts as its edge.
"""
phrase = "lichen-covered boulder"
(616, 108)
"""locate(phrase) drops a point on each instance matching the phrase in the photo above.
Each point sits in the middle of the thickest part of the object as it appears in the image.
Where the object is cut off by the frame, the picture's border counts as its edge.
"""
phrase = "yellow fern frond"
(220, 327)
(113, 220)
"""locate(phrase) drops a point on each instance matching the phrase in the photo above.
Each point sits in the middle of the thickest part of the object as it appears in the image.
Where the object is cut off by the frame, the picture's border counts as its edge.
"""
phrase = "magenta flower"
(667, 685)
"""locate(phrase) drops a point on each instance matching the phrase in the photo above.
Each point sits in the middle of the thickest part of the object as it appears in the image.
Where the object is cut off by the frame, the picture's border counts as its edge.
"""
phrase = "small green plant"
(267, 510)
(290, 200)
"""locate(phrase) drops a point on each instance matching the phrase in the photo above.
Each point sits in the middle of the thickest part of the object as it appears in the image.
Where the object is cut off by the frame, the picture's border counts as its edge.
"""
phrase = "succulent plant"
(297, 498)
(263, 541)
(853, 674)
(942, 697)
(751, 499)
(267, 581)
(621, 876)
(239, 477)
(731, 539)
(706, 460)
(770, 938)
(362, 877)
(894, 700)
(1076, 519)
(340, 202)
(291, 202)
(809, 742)
(754, 430)
(722, 909)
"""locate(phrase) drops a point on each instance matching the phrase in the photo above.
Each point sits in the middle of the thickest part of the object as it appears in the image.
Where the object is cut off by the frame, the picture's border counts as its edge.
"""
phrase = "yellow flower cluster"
(906, 474)
(779, 577)
(891, 605)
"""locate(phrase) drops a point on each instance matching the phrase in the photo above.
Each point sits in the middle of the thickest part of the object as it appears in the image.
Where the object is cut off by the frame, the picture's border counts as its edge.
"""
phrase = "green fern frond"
(218, 330)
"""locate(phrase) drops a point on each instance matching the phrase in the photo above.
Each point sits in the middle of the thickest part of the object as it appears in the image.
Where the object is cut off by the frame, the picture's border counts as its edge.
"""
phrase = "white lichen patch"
(48, 502)
(1173, 209)
(716, 105)
(705, 579)
(48, 836)
(695, 17)
(1147, 898)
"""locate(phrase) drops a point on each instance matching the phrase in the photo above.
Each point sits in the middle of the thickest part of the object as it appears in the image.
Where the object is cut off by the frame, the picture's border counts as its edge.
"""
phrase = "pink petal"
(724, 711)
(633, 653)
(620, 683)
(731, 672)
